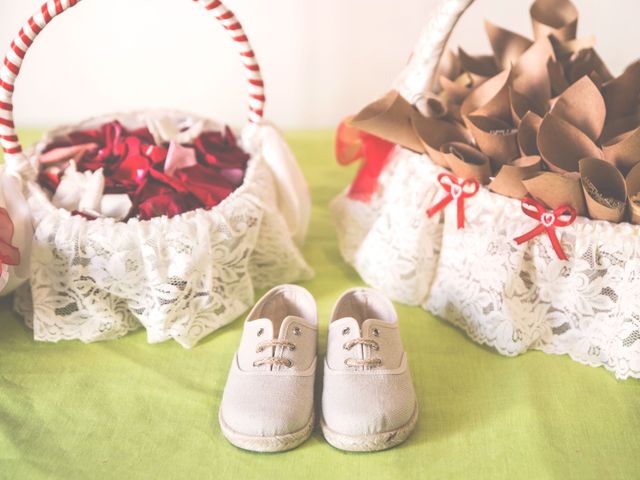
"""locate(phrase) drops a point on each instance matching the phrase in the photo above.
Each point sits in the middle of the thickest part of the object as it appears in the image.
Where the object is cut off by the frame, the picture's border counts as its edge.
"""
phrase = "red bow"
(353, 144)
(457, 189)
(548, 221)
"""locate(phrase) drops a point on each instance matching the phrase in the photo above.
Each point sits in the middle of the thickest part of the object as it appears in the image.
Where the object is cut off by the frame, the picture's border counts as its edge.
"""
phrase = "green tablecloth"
(128, 410)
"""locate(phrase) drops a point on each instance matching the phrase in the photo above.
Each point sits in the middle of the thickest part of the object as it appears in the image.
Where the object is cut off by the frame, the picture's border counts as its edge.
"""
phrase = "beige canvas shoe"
(368, 401)
(267, 405)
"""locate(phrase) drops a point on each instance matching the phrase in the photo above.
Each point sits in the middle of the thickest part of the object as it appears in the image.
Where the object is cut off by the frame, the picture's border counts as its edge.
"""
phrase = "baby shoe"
(267, 405)
(368, 401)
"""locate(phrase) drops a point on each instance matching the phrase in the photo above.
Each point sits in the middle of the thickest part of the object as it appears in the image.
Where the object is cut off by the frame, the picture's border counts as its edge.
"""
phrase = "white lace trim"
(179, 278)
(513, 298)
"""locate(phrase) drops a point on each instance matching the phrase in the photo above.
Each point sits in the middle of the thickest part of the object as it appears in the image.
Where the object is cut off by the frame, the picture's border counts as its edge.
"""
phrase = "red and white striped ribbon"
(20, 45)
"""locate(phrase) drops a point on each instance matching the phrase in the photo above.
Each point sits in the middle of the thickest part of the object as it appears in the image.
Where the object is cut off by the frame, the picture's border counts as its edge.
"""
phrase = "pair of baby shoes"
(368, 399)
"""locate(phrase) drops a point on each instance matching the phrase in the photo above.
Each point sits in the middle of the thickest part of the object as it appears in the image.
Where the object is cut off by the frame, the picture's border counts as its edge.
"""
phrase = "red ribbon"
(549, 220)
(457, 189)
(353, 144)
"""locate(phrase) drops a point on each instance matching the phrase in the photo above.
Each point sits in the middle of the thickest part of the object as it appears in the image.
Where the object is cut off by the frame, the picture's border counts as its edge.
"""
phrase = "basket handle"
(14, 156)
(419, 73)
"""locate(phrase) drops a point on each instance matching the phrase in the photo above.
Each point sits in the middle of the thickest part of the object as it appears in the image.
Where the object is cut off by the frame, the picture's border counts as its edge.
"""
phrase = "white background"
(321, 59)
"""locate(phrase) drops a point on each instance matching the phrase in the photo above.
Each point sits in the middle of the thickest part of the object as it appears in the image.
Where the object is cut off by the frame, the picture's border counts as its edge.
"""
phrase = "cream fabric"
(263, 399)
(368, 399)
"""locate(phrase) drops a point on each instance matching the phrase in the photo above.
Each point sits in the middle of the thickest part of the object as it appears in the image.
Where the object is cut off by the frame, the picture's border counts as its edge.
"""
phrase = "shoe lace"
(366, 362)
(285, 362)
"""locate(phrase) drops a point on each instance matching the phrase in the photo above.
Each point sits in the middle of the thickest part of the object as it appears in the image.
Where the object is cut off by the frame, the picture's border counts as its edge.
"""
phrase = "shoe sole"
(370, 443)
(277, 443)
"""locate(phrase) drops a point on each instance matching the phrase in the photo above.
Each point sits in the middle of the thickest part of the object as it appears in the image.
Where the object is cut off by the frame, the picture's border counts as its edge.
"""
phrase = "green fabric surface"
(128, 410)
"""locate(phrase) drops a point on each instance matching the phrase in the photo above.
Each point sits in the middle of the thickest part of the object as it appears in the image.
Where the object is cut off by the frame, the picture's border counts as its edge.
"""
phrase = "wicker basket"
(181, 277)
(508, 296)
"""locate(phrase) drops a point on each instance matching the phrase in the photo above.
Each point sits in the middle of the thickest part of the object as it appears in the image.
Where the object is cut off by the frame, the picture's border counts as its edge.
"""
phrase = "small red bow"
(549, 220)
(457, 189)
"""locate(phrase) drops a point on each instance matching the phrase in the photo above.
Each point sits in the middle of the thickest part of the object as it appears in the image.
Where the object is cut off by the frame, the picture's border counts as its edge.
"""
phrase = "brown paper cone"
(530, 76)
(390, 118)
(562, 145)
(583, 107)
(624, 151)
(495, 138)
(509, 179)
(604, 189)
(521, 105)
(621, 94)
(633, 193)
(434, 133)
(557, 190)
(481, 65)
(616, 127)
(568, 48)
(557, 78)
(456, 91)
(466, 161)
(491, 99)
(554, 17)
(584, 63)
(449, 68)
(528, 134)
(507, 46)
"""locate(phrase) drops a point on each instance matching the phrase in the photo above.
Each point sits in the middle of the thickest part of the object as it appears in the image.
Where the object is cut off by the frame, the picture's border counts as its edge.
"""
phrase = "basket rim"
(247, 144)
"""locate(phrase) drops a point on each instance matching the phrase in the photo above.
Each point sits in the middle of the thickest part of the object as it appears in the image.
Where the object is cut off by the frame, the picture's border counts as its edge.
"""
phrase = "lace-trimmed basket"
(181, 277)
(508, 296)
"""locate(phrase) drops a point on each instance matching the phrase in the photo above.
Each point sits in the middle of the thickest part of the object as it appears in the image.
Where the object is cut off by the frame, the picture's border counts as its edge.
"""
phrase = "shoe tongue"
(262, 323)
(286, 323)
(347, 322)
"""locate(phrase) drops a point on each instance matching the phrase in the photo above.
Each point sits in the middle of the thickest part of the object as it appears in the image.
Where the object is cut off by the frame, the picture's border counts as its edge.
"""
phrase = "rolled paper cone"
(528, 134)
(582, 106)
(430, 105)
(509, 179)
(521, 105)
(633, 193)
(466, 161)
(449, 68)
(624, 151)
(568, 48)
(554, 17)
(481, 65)
(562, 145)
(557, 190)
(619, 126)
(495, 139)
(621, 94)
(390, 118)
(492, 98)
(434, 133)
(507, 46)
(456, 91)
(604, 188)
(530, 76)
(557, 78)
(584, 63)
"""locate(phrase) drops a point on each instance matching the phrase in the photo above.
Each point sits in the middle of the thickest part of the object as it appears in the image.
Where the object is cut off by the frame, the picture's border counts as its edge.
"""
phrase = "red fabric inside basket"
(133, 164)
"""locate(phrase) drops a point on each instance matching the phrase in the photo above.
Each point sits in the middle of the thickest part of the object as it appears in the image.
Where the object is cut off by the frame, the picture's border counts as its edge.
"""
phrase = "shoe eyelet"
(346, 331)
(289, 363)
(292, 347)
(260, 332)
(345, 347)
(375, 332)
(296, 331)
